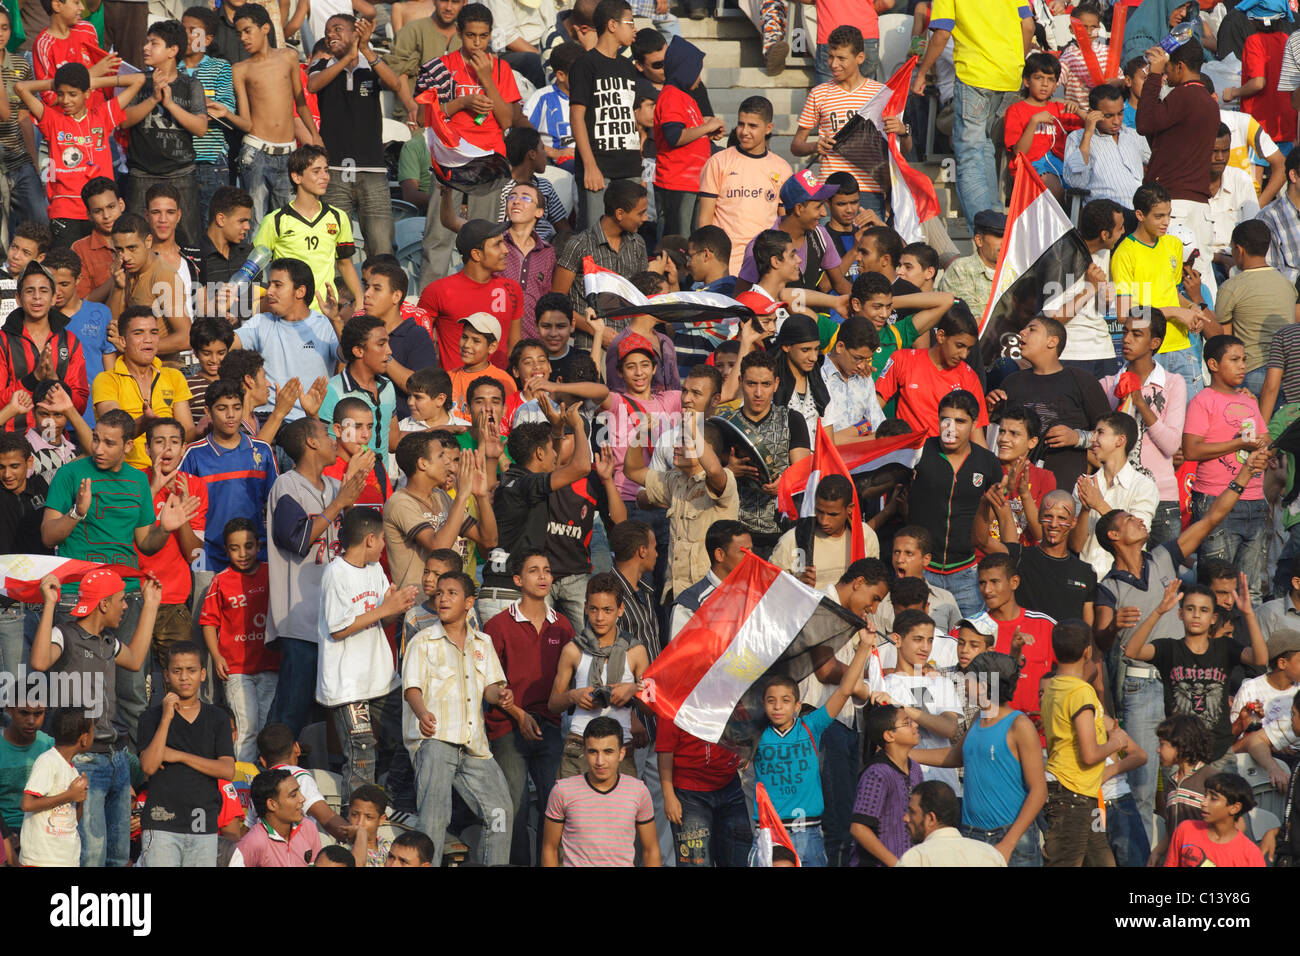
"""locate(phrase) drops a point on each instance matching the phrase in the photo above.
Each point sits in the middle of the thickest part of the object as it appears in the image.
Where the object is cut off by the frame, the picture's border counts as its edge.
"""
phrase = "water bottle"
(253, 266)
(1247, 434)
(1178, 36)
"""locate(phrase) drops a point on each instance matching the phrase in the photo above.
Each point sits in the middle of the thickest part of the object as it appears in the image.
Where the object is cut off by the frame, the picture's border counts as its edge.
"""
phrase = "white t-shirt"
(49, 838)
(943, 654)
(1281, 735)
(1087, 337)
(1117, 786)
(1276, 703)
(934, 694)
(359, 667)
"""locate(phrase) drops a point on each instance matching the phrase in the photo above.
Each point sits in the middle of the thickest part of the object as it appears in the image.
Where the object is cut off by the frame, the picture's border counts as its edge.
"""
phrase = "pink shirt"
(1167, 396)
(664, 409)
(599, 828)
(1218, 418)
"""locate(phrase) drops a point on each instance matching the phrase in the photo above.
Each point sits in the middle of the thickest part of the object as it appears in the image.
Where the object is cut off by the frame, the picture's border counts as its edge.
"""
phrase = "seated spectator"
(286, 837)
(1233, 200)
(364, 354)
(1217, 838)
(971, 277)
(1106, 158)
(1035, 124)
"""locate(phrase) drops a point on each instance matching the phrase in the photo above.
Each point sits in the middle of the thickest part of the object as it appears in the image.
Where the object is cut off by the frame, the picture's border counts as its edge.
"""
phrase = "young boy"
(169, 112)
(479, 338)
(364, 350)
(89, 321)
(1195, 670)
(210, 340)
(325, 242)
(54, 794)
(367, 812)
(183, 760)
(70, 39)
(911, 553)
(548, 108)
(785, 761)
(83, 126)
(20, 744)
(681, 138)
(234, 628)
(237, 470)
(439, 562)
(356, 679)
(891, 774)
(428, 394)
(590, 817)
(1265, 699)
(268, 90)
(30, 242)
(1216, 839)
(442, 723)
(555, 330)
(1223, 426)
(918, 264)
(211, 165)
(1077, 748)
(1183, 749)
(1037, 126)
(1146, 268)
(921, 377)
(1025, 635)
(844, 208)
(354, 424)
(1116, 484)
(102, 204)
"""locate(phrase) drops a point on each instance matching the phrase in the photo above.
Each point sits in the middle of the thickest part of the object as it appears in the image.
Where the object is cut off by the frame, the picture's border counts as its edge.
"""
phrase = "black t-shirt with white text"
(182, 800)
(1197, 684)
(606, 87)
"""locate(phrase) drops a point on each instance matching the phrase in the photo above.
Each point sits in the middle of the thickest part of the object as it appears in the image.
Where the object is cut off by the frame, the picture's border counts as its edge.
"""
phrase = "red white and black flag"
(1042, 264)
(20, 574)
(759, 622)
(613, 295)
(826, 460)
(856, 457)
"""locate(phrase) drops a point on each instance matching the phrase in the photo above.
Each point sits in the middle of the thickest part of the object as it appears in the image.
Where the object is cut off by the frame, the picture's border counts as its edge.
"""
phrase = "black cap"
(798, 328)
(990, 223)
(474, 233)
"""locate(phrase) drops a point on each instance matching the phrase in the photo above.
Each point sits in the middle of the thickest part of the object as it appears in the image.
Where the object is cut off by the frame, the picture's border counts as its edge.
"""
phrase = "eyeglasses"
(906, 722)
(520, 197)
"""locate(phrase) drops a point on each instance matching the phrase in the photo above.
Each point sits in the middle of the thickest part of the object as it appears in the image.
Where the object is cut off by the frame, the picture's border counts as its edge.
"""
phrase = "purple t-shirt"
(830, 257)
(883, 792)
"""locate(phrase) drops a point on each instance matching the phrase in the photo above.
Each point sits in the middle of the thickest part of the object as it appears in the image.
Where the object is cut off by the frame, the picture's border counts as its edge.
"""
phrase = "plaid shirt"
(1283, 221)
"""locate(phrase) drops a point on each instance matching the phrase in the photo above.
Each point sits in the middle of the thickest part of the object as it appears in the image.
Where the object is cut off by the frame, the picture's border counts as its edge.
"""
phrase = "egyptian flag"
(613, 295)
(771, 831)
(826, 460)
(456, 162)
(863, 142)
(1041, 267)
(20, 574)
(758, 623)
(854, 458)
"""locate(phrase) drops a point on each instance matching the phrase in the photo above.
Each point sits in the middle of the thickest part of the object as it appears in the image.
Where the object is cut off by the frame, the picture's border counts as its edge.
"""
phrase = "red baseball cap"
(95, 586)
(637, 343)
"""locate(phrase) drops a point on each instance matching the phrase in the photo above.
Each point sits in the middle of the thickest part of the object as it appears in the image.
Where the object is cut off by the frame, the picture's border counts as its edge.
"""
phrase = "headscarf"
(1148, 24)
(796, 330)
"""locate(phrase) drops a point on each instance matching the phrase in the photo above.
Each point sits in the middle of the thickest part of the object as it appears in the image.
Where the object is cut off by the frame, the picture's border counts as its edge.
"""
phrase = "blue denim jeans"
(441, 768)
(714, 831)
(522, 760)
(1141, 704)
(841, 758)
(250, 697)
(369, 732)
(808, 843)
(870, 66)
(964, 586)
(1027, 852)
(13, 623)
(296, 689)
(569, 598)
(210, 177)
(1124, 830)
(105, 825)
(161, 848)
(1167, 523)
(975, 111)
(1241, 539)
(266, 178)
(1187, 363)
(1254, 382)
(27, 200)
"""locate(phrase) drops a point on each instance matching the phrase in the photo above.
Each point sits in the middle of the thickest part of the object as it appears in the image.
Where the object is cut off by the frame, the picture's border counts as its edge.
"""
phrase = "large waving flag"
(759, 622)
(854, 458)
(863, 142)
(826, 460)
(1043, 258)
(455, 161)
(20, 574)
(771, 831)
(617, 296)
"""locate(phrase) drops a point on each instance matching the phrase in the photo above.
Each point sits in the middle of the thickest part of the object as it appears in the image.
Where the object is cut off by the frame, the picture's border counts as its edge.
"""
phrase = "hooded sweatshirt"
(676, 110)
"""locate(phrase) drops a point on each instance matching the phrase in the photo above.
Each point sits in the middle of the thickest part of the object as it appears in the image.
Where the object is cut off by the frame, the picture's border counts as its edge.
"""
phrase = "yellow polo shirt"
(117, 385)
(988, 47)
(1150, 275)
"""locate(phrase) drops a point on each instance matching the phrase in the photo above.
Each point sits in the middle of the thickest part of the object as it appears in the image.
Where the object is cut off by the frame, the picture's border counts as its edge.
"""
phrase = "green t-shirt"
(413, 163)
(15, 767)
(893, 336)
(122, 502)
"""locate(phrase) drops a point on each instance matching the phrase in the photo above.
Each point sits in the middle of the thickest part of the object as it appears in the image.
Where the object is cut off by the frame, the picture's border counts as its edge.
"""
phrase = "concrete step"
(725, 28)
(786, 101)
(755, 78)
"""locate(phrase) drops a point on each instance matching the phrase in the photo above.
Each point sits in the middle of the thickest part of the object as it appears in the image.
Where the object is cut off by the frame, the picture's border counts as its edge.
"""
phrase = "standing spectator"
(1024, 635)
(1261, 93)
(347, 90)
(20, 744)
(990, 42)
(739, 185)
(1258, 300)
(303, 514)
(682, 138)
(530, 259)
(703, 799)
(1117, 485)
(1181, 128)
(423, 38)
(548, 108)
(143, 280)
(1233, 200)
(364, 355)
(54, 795)
(101, 206)
(831, 15)
(39, 347)
(528, 162)
(211, 162)
(27, 196)
(412, 349)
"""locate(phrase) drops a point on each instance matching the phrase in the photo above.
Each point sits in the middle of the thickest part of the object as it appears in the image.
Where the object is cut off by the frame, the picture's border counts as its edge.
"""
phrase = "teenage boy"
(278, 750)
(69, 39)
(143, 280)
(210, 341)
(20, 744)
(918, 264)
(1157, 401)
(101, 205)
(303, 513)
(1029, 631)
(353, 426)
(1195, 670)
(1255, 301)
(182, 759)
(412, 349)
(283, 836)
(224, 246)
(1217, 838)
(548, 108)
(449, 672)
(703, 800)
(1146, 268)
(526, 740)
(268, 93)
(30, 242)
(1224, 425)
(900, 321)
(708, 257)
(211, 163)
(356, 680)
(236, 469)
(738, 185)
(170, 111)
(1132, 590)
(601, 87)
(555, 331)
(310, 229)
(38, 346)
(818, 555)
(819, 266)
(1068, 400)
(364, 351)
(594, 818)
(1077, 748)
(1116, 484)
(954, 469)
(853, 409)
(78, 646)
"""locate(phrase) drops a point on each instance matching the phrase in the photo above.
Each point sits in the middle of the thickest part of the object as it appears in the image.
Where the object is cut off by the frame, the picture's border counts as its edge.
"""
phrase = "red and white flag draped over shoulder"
(20, 574)
(863, 142)
(825, 460)
(771, 831)
(759, 622)
(850, 459)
